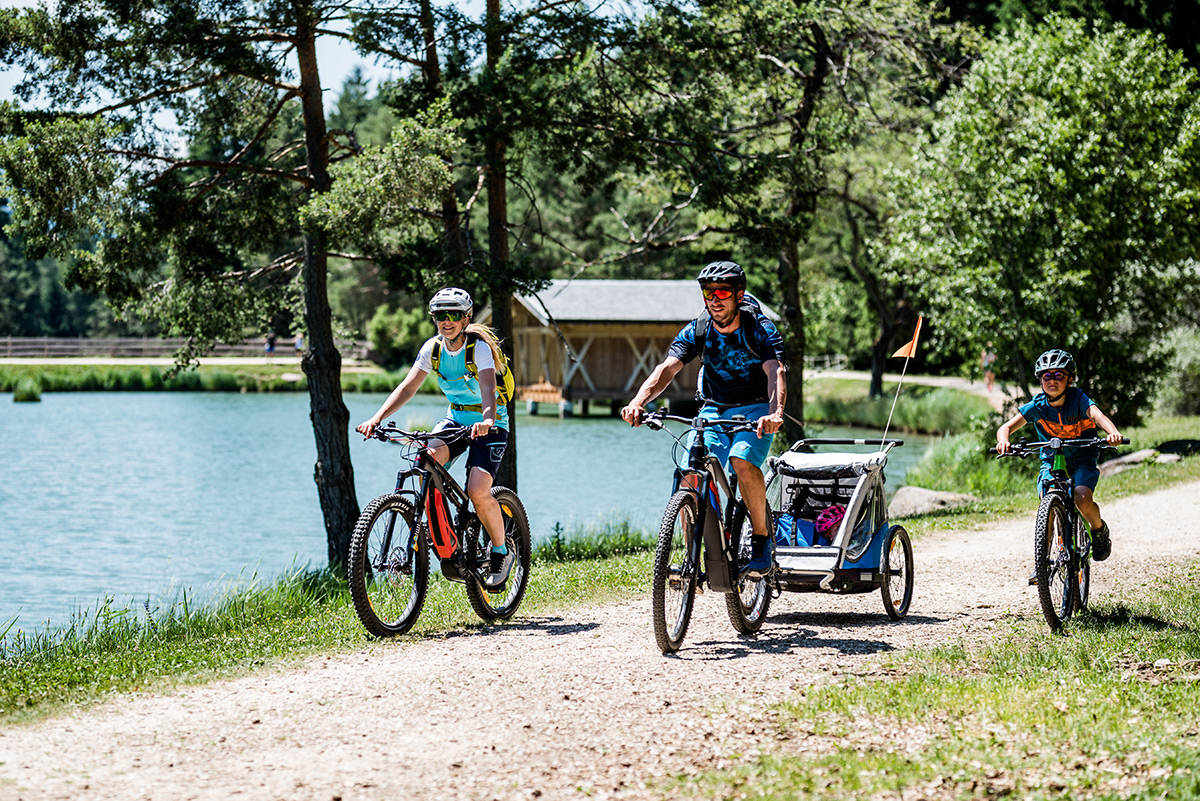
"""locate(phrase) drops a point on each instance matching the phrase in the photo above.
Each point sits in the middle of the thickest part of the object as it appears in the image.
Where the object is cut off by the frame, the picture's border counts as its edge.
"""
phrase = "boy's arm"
(1101, 420)
(1003, 432)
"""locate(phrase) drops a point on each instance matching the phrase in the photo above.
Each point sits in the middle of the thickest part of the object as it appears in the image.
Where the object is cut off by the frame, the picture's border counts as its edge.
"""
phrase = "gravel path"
(586, 708)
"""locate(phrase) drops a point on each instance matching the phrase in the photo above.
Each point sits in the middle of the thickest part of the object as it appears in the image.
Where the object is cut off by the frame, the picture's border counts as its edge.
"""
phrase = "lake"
(142, 495)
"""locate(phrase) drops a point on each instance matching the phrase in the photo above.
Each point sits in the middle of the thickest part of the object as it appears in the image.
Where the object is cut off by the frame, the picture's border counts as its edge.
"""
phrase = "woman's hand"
(367, 429)
(482, 428)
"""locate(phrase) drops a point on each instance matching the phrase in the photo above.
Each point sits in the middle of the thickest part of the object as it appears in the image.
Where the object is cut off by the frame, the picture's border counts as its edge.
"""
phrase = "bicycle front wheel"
(676, 571)
(388, 570)
(1052, 561)
(502, 603)
(1083, 564)
(748, 606)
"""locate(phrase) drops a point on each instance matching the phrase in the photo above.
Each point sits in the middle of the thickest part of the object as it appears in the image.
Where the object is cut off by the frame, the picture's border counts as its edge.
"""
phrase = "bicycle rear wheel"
(502, 603)
(1083, 564)
(388, 571)
(676, 571)
(748, 606)
(1052, 561)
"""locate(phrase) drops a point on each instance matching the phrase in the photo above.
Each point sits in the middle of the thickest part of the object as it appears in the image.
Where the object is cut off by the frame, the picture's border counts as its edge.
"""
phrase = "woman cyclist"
(472, 403)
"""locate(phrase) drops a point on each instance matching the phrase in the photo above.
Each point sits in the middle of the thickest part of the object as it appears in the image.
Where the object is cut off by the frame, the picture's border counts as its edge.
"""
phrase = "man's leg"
(754, 493)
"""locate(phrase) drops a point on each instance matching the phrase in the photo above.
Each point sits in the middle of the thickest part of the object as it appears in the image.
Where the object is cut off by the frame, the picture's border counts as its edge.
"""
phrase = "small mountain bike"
(1062, 539)
(699, 544)
(388, 568)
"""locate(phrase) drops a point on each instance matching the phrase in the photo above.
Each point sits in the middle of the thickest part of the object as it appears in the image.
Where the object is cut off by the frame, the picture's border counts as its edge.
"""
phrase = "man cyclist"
(472, 403)
(742, 373)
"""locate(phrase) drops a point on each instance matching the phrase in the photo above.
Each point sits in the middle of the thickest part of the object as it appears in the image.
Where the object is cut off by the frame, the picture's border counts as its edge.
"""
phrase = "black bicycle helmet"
(724, 272)
(1055, 359)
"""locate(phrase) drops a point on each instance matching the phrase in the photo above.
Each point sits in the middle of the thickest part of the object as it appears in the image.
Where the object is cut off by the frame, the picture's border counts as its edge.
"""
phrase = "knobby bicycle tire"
(1081, 567)
(1052, 562)
(501, 604)
(748, 606)
(676, 571)
(388, 568)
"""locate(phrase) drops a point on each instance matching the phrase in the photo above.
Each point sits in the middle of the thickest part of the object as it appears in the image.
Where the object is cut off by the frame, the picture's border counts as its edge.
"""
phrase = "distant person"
(987, 358)
(471, 390)
(299, 344)
(742, 372)
(270, 346)
(1063, 410)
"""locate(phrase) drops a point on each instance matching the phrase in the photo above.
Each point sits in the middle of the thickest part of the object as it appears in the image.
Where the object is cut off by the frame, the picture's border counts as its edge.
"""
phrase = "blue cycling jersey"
(1069, 421)
(732, 372)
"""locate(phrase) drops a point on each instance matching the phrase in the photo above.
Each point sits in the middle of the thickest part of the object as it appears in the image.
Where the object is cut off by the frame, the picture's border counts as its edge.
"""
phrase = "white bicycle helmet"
(451, 299)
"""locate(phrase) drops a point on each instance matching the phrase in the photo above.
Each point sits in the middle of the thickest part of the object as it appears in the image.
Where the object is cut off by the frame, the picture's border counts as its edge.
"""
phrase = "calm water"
(143, 495)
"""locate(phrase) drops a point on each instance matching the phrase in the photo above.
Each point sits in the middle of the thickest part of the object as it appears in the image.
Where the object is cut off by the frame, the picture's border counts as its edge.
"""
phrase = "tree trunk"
(498, 255)
(333, 473)
(791, 327)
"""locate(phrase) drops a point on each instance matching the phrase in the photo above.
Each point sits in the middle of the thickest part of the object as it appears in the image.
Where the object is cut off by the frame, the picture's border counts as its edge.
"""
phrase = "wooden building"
(616, 331)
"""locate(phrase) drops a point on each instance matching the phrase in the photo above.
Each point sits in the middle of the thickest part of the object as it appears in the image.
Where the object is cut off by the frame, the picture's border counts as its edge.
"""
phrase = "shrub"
(397, 335)
(27, 390)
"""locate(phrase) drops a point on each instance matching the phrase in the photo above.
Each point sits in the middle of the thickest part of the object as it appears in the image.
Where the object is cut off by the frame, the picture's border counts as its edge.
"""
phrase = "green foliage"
(1181, 386)
(1053, 206)
(27, 389)
(961, 463)
(921, 409)
(396, 336)
(593, 542)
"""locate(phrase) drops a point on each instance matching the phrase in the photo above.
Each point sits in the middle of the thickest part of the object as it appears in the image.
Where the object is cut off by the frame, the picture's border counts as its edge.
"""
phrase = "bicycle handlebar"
(392, 433)
(1024, 449)
(654, 421)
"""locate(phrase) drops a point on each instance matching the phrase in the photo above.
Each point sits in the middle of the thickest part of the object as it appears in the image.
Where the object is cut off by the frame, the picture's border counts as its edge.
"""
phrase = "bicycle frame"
(435, 496)
(704, 469)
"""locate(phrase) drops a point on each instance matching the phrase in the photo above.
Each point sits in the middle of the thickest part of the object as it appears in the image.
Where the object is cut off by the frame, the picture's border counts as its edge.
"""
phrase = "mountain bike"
(388, 567)
(1062, 539)
(702, 539)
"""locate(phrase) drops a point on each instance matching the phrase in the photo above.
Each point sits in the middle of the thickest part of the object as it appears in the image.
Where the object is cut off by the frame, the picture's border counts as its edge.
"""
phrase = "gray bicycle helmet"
(1054, 359)
(724, 272)
(451, 299)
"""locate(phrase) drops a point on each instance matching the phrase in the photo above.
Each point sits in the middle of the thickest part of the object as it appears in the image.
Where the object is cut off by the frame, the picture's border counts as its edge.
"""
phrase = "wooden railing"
(130, 347)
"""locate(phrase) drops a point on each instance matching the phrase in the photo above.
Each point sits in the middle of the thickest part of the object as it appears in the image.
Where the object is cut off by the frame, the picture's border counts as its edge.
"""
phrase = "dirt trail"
(586, 705)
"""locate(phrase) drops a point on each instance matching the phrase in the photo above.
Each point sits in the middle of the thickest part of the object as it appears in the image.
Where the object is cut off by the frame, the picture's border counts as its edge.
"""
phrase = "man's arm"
(772, 421)
(651, 388)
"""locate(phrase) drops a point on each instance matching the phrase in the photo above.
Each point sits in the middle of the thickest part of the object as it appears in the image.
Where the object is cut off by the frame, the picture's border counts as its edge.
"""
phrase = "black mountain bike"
(389, 550)
(699, 544)
(1062, 540)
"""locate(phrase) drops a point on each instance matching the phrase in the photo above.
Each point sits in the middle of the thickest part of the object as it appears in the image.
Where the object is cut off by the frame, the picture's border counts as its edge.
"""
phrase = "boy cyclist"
(1063, 410)
(472, 403)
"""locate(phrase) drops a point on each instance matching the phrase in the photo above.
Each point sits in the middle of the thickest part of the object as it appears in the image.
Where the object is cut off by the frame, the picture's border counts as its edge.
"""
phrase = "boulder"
(1183, 447)
(1129, 460)
(911, 501)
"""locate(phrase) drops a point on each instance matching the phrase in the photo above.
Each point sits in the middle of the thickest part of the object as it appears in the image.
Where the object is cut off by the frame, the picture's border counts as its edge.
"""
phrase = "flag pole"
(908, 351)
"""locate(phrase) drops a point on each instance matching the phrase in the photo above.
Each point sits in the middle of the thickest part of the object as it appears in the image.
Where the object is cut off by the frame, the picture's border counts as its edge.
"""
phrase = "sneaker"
(1033, 578)
(1101, 544)
(761, 565)
(499, 566)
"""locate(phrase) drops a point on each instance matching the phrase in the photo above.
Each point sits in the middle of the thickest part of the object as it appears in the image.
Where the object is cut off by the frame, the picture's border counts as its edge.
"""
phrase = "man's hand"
(770, 423)
(633, 414)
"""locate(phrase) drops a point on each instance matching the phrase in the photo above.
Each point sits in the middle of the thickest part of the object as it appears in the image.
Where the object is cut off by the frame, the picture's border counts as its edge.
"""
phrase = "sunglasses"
(719, 294)
(1053, 375)
(453, 317)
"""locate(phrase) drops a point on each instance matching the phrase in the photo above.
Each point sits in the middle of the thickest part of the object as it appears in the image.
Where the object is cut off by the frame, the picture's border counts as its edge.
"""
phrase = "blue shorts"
(745, 445)
(1085, 474)
(485, 453)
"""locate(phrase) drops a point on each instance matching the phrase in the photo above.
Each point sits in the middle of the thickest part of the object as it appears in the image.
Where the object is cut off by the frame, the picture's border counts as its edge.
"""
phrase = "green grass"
(111, 649)
(1111, 711)
(931, 410)
(26, 390)
(206, 378)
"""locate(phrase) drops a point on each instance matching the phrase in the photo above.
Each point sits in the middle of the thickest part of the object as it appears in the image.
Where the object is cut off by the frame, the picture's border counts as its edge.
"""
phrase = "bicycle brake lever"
(653, 424)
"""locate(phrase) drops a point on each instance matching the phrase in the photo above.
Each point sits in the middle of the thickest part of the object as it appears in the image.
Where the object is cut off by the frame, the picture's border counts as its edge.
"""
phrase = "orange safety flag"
(910, 350)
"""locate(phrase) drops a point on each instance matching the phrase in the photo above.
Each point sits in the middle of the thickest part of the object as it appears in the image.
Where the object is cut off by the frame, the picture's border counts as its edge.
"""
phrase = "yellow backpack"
(505, 383)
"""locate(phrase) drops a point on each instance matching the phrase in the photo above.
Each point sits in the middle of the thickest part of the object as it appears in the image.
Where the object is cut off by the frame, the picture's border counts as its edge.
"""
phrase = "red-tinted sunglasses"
(719, 294)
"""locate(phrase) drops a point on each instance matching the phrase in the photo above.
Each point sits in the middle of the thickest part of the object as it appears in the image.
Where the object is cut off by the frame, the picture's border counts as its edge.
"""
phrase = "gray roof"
(618, 300)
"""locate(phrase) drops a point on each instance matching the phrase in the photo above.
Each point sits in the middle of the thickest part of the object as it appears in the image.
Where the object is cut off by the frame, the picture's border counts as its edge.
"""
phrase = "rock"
(1168, 458)
(1183, 447)
(1122, 463)
(910, 501)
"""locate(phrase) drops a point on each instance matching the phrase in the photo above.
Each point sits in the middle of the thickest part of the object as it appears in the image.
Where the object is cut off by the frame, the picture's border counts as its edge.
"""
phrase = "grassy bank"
(1112, 711)
(112, 649)
(206, 378)
(923, 409)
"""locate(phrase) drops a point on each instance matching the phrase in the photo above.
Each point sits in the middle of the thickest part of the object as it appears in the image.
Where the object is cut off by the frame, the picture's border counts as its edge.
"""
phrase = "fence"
(132, 347)
(816, 364)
